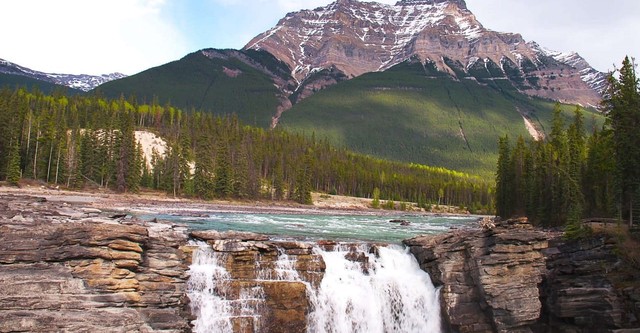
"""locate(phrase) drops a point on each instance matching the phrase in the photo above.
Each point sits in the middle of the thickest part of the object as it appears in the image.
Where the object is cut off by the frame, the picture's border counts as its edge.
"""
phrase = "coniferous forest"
(577, 172)
(89, 141)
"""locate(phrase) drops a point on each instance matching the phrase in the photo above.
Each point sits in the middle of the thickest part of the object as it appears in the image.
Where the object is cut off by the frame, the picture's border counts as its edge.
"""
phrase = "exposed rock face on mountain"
(514, 278)
(359, 37)
(266, 64)
(82, 81)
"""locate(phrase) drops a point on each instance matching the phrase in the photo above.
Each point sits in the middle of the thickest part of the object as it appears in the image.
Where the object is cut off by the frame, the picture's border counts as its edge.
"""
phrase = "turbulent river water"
(370, 228)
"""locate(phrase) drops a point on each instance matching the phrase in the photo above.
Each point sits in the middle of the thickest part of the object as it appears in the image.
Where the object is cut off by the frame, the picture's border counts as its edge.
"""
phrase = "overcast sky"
(128, 36)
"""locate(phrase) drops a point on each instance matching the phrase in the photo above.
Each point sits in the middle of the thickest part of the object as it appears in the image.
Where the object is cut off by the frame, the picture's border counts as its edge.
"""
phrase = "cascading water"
(387, 292)
(363, 290)
(208, 277)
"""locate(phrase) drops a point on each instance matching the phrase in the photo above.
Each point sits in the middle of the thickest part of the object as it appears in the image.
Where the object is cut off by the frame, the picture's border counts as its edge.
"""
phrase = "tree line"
(80, 141)
(569, 175)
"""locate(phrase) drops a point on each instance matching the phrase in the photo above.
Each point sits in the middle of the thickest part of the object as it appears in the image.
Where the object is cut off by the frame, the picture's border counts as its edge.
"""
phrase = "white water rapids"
(392, 294)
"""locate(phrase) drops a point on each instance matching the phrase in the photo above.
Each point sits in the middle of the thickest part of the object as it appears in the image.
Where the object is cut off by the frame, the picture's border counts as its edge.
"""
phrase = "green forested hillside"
(413, 114)
(221, 85)
(78, 141)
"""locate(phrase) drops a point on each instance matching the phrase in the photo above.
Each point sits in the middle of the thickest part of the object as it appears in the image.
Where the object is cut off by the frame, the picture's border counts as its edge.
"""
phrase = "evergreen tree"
(302, 190)
(278, 181)
(223, 182)
(623, 111)
(504, 179)
(13, 166)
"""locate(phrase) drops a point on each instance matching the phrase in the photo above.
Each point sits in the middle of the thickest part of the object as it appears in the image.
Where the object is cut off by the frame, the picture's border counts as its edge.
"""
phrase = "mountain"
(420, 81)
(352, 38)
(252, 84)
(80, 82)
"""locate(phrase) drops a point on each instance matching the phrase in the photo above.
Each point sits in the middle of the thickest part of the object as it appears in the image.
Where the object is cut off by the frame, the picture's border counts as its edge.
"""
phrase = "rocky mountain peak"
(359, 37)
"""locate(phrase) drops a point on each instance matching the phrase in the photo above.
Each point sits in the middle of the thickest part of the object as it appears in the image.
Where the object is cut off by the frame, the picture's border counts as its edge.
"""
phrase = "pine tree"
(203, 174)
(223, 181)
(278, 181)
(504, 179)
(13, 166)
(302, 189)
(623, 111)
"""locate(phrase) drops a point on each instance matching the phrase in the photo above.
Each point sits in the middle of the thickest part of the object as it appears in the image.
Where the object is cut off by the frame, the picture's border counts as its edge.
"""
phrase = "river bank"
(156, 202)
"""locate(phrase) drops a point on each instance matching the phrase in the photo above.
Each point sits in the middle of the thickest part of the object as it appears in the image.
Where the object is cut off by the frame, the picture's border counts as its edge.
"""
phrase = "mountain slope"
(361, 37)
(80, 82)
(408, 113)
(250, 84)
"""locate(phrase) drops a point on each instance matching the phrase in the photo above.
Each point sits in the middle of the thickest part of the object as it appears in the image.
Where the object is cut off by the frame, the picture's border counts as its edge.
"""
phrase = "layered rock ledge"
(514, 278)
(66, 266)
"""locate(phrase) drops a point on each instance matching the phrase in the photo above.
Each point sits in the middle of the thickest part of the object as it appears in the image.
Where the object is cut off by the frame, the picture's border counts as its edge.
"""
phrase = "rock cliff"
(514, 278)
(74, 269)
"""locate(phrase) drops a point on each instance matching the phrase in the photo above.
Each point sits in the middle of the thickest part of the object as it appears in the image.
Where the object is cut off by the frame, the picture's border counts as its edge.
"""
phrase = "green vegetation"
(408, 114)
(623, 110)
(558, 181)
(545, 180)
(79, 141)
(223, 85)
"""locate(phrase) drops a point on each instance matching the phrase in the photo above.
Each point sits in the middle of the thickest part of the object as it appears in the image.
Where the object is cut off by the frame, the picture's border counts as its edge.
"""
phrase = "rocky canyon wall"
(514, 278)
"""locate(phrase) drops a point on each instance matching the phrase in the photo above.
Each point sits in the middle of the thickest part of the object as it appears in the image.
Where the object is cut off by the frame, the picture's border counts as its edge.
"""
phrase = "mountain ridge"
(82, 82)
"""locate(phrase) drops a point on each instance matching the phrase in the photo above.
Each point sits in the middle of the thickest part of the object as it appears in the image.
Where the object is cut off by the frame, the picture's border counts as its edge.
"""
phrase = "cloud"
(92, 37)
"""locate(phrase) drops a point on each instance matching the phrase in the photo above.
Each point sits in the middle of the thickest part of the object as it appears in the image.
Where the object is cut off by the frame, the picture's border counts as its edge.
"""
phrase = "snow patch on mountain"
(82, 82)
(592, 77)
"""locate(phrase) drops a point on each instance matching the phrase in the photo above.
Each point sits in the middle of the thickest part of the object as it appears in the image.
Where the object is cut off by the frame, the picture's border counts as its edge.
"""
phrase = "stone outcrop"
(514, 278)
(64, 268)
(589, 288)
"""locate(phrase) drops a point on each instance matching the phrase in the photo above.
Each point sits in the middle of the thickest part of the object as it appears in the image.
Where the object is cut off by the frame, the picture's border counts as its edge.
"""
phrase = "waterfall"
(392, 294)
(213, 312)
(364, 289)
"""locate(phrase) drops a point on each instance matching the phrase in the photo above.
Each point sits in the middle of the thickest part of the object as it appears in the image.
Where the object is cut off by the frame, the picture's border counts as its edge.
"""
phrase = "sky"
(129, 36)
